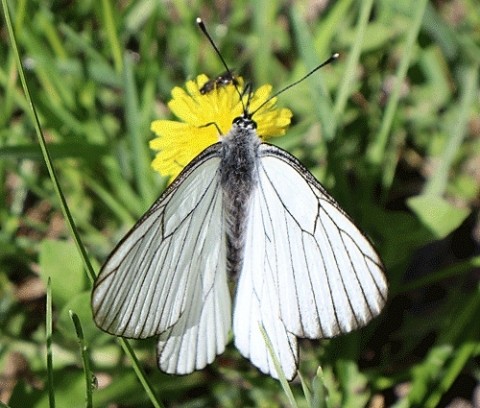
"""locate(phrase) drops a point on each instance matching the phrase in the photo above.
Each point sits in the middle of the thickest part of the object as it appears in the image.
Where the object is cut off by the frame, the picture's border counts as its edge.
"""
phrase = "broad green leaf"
(61, 261)
(438, 215)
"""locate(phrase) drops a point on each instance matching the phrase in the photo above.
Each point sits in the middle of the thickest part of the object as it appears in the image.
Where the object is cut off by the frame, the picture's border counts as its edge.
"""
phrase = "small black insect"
(224, 79)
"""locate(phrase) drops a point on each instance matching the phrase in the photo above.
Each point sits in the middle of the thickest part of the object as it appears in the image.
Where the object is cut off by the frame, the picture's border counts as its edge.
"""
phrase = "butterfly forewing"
(308, 270)
(169, 273)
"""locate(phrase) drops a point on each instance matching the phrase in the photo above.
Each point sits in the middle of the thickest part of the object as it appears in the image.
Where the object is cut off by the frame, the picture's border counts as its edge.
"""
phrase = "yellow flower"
(179, 142)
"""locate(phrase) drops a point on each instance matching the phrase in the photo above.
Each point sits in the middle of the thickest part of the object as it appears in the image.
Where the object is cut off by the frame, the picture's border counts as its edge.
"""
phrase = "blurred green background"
(392, 129)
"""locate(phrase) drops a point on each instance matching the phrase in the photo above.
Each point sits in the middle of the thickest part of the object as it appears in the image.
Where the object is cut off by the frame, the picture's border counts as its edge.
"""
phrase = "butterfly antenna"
(328, 61)
(201, 24)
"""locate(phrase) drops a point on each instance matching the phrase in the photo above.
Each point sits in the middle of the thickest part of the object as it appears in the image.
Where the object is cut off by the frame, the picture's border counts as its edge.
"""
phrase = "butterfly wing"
(308, 269)
(257, 304)
(168, 275)
(200, 333)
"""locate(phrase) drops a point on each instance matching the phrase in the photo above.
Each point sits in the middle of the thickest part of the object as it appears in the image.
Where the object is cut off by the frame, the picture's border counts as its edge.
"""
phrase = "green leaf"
(61, 261)
(353, 384)
(438, 215)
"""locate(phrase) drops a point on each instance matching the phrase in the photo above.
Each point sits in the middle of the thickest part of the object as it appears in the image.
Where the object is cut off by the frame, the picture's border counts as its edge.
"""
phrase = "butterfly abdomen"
(239, 157)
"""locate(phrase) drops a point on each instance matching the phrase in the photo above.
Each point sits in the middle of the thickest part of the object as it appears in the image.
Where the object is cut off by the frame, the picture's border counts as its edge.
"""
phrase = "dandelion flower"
(178, 142)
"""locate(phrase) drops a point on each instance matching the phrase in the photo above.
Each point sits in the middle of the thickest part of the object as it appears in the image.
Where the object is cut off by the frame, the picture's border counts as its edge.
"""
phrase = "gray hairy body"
(239, 178)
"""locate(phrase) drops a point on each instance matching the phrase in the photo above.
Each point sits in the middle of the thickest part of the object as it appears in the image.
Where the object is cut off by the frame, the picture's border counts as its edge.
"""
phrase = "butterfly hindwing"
(201, 332)
(257, 300)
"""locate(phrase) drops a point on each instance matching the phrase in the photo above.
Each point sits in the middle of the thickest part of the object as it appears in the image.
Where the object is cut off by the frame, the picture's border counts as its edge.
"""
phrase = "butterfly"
(247, 211)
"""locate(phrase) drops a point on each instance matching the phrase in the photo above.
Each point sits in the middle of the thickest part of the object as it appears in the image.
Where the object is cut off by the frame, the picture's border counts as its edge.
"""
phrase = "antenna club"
(328, 61)
(201, 24)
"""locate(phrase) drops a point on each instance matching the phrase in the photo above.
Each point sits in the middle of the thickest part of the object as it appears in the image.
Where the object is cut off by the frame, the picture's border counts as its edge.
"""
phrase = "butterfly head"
(245, 121)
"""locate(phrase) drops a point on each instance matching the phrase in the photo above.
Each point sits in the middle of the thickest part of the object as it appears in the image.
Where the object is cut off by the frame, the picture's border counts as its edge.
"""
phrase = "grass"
(391, 129)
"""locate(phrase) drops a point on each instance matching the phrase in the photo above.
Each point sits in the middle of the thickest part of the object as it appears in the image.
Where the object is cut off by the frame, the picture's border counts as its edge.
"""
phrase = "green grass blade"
(461, 356)
(319, 94)
(85, 359)
(432, 378)
(377, 150)
(321, 392)
(140, 372)
(449, 272)
(328, 27)
(263, 21)
(137, 144)
(306, 391)
(345, 88)
(111, 29)
(48, 329)
(278, 367)
(437, 184)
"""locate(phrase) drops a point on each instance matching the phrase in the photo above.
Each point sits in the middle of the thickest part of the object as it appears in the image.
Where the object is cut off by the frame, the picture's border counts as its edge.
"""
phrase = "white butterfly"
(247, 210)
